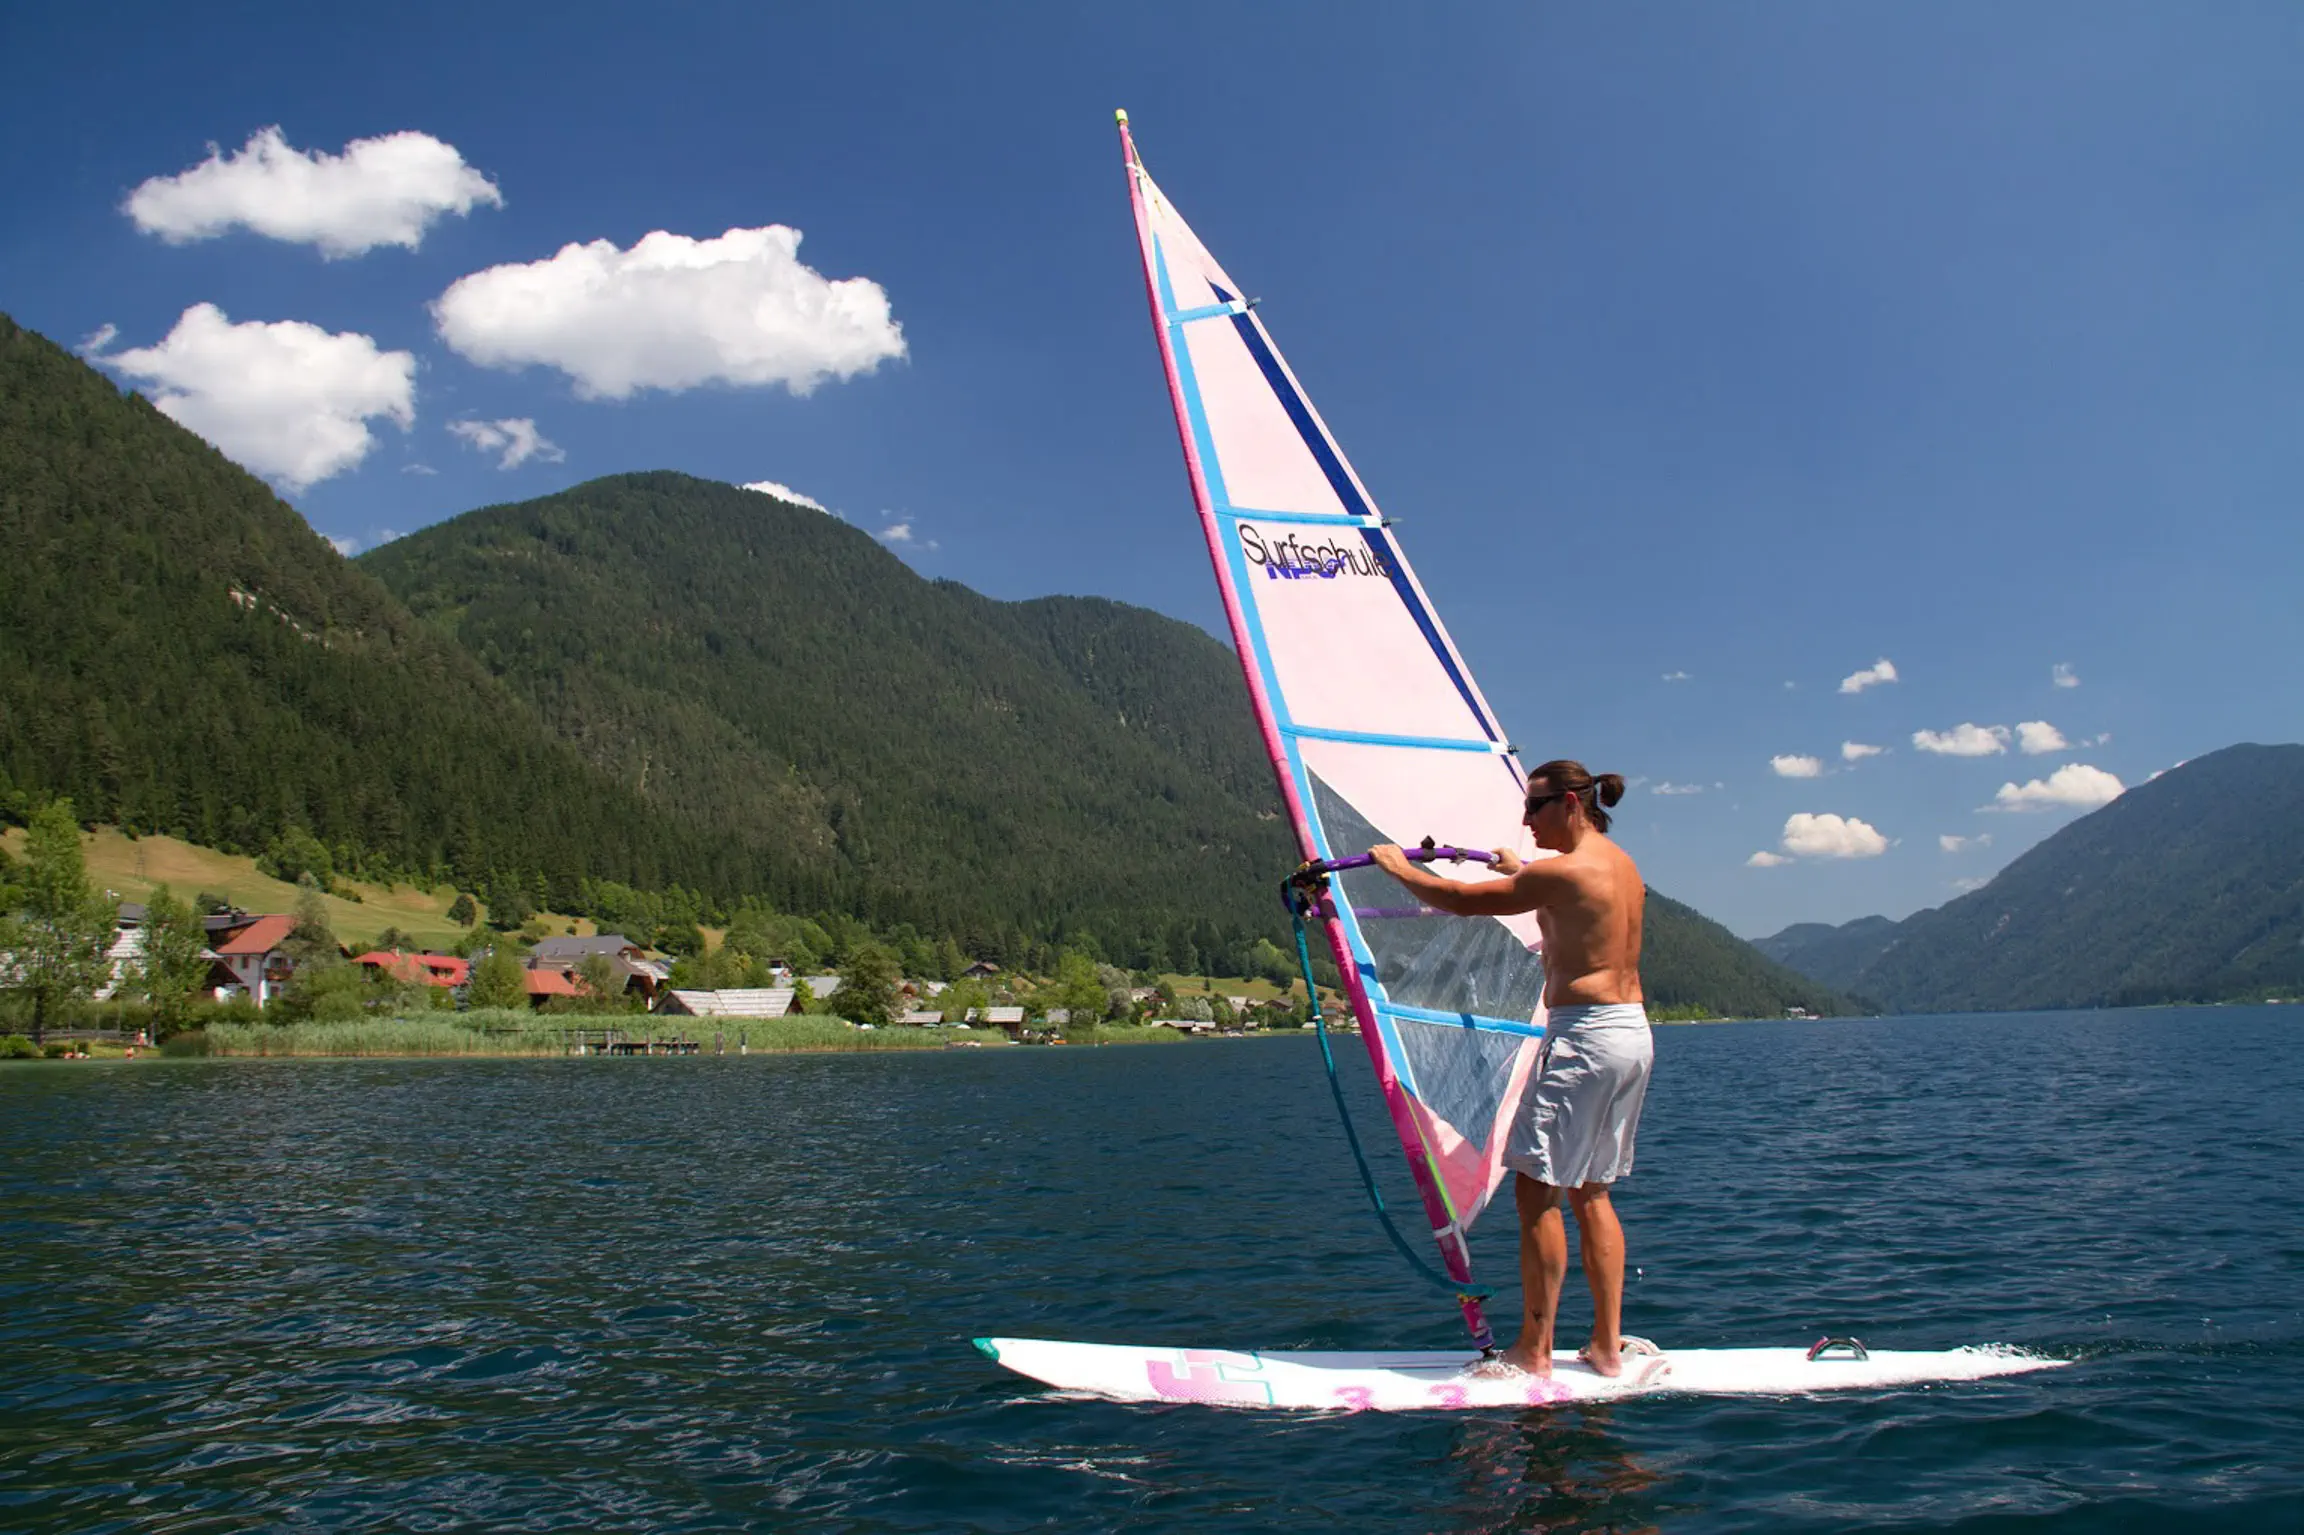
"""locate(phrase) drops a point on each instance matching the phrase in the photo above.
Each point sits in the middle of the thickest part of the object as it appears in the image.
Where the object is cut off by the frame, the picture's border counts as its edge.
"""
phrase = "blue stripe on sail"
(1334, 519)
(1206, 312)
(1212, 480)
(1466, 1020)
(1340, 481)
(1374, 738)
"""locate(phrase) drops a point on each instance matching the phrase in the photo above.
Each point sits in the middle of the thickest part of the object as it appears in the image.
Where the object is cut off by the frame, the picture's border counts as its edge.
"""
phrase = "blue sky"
(1709, 355)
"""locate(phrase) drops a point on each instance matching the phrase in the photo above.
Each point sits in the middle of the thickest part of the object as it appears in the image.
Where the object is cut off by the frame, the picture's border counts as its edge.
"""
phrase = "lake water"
(736, 1294)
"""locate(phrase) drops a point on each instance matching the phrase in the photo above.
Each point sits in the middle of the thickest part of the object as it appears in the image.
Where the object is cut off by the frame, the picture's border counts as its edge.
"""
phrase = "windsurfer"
(1574, 1134)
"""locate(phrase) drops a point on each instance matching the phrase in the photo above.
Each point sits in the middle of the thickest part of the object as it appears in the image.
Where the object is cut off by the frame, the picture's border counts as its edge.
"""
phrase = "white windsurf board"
(1404, 1382)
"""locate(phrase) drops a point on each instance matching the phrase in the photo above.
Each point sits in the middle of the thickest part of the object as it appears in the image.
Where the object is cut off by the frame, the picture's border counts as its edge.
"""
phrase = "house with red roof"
(443, 970)
(249, 956)
(544, 985)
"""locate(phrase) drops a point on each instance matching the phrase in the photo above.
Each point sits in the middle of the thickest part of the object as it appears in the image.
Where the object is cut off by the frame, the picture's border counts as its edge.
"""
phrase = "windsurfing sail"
(1376, 730)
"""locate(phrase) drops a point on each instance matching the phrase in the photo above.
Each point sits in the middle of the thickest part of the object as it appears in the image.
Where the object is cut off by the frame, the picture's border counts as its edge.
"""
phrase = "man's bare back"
(1589, 904)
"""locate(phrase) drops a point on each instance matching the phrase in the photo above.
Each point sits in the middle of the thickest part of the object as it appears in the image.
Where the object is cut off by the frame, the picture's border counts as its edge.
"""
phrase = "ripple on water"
(736, 1294)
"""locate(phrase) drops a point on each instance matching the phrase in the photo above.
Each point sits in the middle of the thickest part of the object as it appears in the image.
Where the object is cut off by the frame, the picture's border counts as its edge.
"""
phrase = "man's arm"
(1527, 889)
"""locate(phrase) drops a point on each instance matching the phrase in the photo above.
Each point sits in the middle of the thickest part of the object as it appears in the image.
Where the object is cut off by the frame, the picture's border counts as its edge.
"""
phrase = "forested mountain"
(1687, 959)
(649, 679)
(2187, 888)
(917, 751)
(180, 652)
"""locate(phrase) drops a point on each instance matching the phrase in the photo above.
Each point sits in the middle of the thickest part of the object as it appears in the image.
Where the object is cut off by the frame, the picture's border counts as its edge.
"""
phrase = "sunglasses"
(1537, 802)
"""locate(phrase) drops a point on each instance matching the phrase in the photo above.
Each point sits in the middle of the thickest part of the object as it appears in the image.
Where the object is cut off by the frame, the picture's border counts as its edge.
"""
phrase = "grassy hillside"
(131, 867)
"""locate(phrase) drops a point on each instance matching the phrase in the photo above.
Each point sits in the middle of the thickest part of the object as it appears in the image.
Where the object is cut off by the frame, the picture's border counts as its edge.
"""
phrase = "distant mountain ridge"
(2187, 888)
(1835, 956)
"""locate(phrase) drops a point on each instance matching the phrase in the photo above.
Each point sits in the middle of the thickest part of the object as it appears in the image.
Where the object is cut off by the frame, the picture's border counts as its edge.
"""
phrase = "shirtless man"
(1577, 1121)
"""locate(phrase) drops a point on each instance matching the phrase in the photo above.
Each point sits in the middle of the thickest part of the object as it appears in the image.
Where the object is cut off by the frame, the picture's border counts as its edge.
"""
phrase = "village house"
(544, 985)
(729, 1002)
(127, 951)
(446, 971)
(629, 967)
(250, 957)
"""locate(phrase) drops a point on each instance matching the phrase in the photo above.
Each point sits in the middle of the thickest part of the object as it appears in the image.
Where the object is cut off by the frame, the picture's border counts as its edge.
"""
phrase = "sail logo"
(1290, 558)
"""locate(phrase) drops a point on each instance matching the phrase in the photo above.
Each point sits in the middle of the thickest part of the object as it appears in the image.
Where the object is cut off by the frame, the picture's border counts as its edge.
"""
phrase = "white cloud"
(346, 545)
(93, 344)
(418, 469)
(1952, 844)
(2063, 675)
(2074, 786)
(2035, 738)
(1966, 885)
(1857, 751)
(1963, 740)
(1679, 788)
(1831, 836)
(787, 493)
(287, 399)
(381, 191)
(901, 533)
(1765, 860)
(1882, 670)
(673, 313)
(1675, 676)
(515, 437)
(1797, 767)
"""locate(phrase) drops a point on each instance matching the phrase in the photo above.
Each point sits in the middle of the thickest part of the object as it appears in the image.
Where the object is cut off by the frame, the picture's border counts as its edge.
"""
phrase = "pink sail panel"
(1377, 731)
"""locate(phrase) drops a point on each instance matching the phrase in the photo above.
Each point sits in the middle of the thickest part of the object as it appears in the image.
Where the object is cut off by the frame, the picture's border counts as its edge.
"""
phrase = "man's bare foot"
(1610, 1361)
(1604, 1361)
(1514, 1360)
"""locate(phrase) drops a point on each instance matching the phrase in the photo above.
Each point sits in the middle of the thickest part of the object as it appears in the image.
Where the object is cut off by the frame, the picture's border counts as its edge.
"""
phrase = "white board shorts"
(1581, 1112)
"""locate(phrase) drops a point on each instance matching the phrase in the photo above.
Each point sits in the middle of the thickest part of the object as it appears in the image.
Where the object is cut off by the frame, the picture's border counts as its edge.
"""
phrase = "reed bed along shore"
(502, 1032)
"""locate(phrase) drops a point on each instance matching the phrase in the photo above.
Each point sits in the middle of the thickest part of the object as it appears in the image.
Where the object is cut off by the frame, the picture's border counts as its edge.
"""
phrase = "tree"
(325, 993)
(463, 911)
(296, 854)
(598, 978)
(395, 940)
(867, 991)
(1079, 989)
(64, 928)
(509, 904)
(172, 967)
(499, 980)
(961, 998)
(949, 960)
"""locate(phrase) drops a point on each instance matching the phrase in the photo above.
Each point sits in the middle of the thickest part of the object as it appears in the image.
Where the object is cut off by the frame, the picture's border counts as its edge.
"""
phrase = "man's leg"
(1543, 1268)
(1601, 1241)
